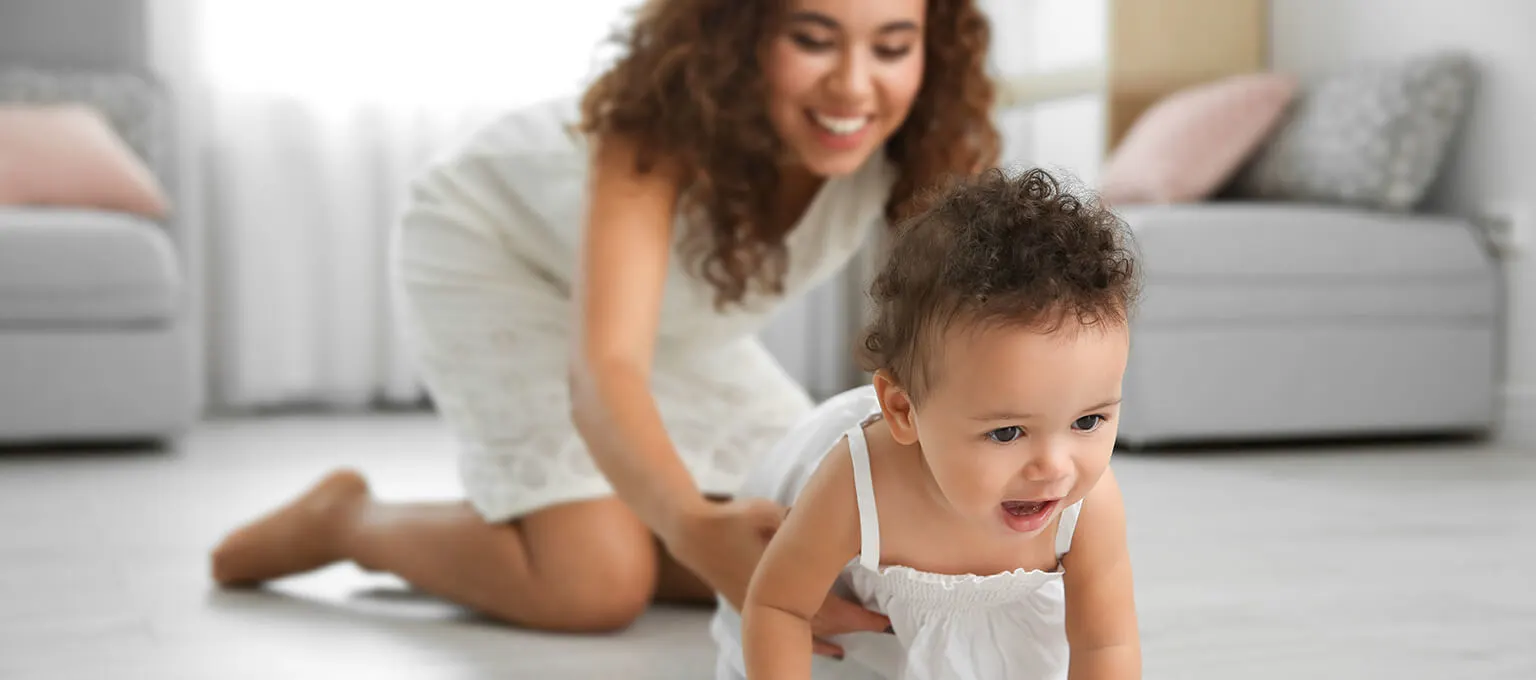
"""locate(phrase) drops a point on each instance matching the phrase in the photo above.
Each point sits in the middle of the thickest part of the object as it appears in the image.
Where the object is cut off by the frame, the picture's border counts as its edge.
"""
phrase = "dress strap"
(1065, 526)
(864, 490)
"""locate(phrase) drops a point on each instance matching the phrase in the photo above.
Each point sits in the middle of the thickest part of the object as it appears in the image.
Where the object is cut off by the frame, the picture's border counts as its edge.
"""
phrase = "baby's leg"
(587, 566)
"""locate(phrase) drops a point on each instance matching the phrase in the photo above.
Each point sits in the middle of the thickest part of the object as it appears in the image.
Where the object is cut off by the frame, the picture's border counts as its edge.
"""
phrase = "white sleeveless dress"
(947, 627)
(484, 259)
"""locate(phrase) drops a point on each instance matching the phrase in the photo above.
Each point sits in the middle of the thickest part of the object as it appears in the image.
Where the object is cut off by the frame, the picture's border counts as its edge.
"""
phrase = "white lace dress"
(947, 626)
(484, 259)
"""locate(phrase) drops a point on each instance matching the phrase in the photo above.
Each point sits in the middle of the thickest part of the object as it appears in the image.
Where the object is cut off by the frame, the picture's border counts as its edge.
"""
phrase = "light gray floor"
(1340, 562)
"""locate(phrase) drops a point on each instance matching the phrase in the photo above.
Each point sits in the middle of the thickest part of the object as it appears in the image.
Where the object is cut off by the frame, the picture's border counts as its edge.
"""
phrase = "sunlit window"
(448, 53)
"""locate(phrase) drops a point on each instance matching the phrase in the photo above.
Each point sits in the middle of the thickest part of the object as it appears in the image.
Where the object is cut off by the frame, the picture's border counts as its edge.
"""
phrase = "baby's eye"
(1003, 435)
(1088, 423)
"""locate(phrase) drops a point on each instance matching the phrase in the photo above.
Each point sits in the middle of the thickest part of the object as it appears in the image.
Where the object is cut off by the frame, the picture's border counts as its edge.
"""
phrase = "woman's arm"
(626, 246)
(623, 266)
(1101, 603)
(797, 572)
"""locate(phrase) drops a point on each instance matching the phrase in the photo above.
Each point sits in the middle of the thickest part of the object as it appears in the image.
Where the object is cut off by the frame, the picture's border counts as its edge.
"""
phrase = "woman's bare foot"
(298, 537)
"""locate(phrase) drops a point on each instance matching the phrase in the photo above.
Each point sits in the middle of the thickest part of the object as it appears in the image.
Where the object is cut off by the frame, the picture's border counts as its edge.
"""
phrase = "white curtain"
(302, 122)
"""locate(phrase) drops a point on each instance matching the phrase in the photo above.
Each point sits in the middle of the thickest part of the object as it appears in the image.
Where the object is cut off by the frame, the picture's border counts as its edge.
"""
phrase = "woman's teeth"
(840, 126)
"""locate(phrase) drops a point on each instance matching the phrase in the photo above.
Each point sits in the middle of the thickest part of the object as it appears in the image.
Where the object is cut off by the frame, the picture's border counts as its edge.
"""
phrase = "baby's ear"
(896, 407)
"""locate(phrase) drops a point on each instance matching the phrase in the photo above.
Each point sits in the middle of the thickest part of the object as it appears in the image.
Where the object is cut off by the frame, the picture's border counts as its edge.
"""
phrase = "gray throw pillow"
(1374, 136)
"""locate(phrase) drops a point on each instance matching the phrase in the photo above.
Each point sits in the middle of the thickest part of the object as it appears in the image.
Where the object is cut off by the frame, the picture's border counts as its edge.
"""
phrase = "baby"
(966, 494)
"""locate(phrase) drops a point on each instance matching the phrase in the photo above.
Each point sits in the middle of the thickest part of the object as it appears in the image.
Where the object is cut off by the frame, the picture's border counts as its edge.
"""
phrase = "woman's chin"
(824, 162)
(836, 166)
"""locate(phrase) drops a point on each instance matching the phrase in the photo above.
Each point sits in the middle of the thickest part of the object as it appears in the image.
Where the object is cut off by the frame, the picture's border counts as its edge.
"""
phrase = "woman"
(584, 287)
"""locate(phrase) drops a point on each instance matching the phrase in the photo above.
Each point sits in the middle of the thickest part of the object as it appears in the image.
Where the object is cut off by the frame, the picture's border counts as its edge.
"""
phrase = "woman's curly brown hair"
(997, 250)
(689, 88)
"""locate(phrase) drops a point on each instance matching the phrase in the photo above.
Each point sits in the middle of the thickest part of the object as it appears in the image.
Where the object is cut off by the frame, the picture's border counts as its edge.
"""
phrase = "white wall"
(1065, 136)
(1495, 162)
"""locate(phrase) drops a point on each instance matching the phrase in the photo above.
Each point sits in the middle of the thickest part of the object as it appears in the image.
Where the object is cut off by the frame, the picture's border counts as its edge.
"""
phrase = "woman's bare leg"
(584, 567)
(676, 583)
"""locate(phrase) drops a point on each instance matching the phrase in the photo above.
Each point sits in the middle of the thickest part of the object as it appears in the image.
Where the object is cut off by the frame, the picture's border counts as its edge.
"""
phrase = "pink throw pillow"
(1189, 144)
(67, 155)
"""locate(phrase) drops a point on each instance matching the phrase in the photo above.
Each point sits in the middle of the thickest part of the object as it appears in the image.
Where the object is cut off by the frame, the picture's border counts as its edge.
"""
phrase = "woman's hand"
(838, 616)
(723, 542)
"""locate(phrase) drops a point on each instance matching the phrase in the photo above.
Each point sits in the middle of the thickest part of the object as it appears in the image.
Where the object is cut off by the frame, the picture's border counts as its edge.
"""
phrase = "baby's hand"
(838, 616)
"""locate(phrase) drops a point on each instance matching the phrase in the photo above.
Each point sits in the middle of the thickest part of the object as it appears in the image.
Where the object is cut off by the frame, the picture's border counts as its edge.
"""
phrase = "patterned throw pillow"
(1373, 137)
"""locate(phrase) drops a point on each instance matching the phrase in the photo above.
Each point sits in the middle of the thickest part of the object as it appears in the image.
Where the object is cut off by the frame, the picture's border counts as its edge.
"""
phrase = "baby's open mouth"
(1027, 508)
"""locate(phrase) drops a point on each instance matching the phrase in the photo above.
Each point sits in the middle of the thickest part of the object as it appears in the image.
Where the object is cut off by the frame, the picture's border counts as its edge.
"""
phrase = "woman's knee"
(608, 597)
(596, 565)
(564, 590)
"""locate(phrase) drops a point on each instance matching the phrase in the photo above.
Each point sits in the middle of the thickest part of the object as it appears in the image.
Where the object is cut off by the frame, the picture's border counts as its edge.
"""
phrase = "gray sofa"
(1316, 297)
(1282, 321)
(99, 340)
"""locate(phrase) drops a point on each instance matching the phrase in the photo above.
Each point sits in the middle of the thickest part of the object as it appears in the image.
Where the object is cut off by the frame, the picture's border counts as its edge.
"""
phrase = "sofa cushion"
(83, 267)
(1252, 240)
(1274, 261)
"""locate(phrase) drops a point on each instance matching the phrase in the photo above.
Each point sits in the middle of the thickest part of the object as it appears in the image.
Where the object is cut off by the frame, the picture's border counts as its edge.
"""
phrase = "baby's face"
(1018, 424)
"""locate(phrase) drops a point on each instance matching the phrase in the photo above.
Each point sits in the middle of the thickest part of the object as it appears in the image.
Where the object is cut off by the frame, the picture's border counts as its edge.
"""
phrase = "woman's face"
(842, 75)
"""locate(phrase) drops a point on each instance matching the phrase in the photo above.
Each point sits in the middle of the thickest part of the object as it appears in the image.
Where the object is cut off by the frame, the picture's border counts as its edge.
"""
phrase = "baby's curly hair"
(689, 87)
(994, 249)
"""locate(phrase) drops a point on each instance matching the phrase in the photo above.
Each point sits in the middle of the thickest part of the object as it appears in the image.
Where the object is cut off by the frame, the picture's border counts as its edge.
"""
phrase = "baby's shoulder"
(833, 476)
(1097, 533)
(826, 509)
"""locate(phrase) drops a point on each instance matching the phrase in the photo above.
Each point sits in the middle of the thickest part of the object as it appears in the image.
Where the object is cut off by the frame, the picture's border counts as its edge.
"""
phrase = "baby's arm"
(797, 571)
(1101, 606)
